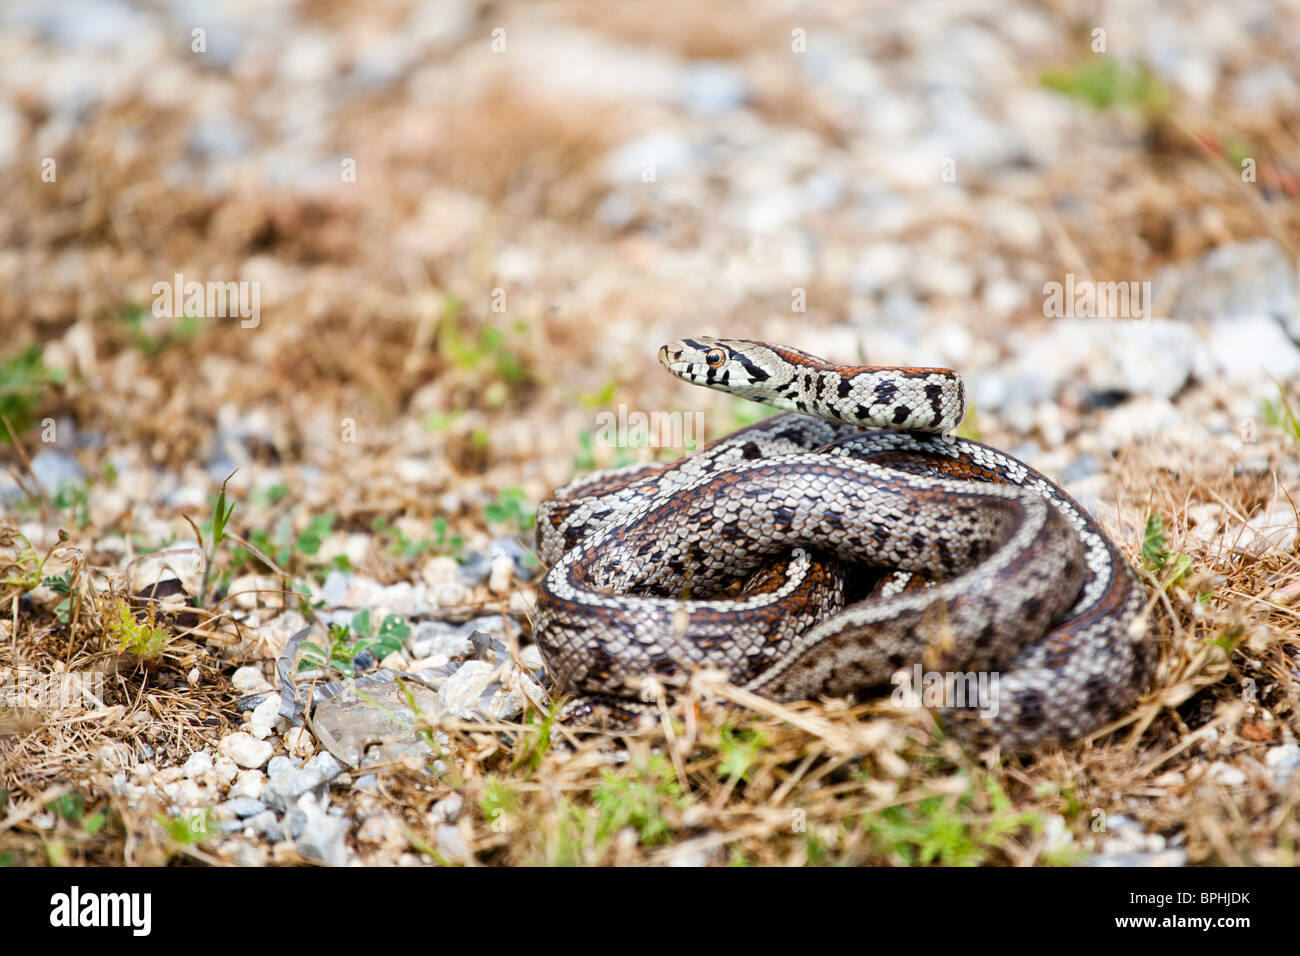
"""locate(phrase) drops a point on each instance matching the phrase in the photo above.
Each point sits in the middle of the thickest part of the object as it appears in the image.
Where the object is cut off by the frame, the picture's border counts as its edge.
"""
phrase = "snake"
(833, 549)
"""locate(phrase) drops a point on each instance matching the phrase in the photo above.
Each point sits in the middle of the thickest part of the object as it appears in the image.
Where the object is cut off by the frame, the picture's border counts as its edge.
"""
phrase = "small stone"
(447, 809)
(665, 152)
(281, 765)
(524, 560)
(245, 750)
(265, 824)
(1248, 348)
(493, 624)
(287, 786)
(299, 742)
(197, 765)
(396, 661)
(475, 569)
(516, 692)
(1271, 531)
(461, 692)
(1225, 774)
(1283, 761)
(336, 587)
(185, 793)
(244, 806)
(317, 834)
(451, 844)
(1241, 279)
(249, 680)
(248, 784)
(439, 570)
(711, 87)
(382, 829)
(55, 469)
(430, 638)
(502, 576)
(450, 594)
(241, 853)
(262, 722)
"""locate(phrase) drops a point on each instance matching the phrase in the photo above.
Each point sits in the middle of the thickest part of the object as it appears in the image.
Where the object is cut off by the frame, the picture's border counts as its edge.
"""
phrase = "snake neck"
(912, 399)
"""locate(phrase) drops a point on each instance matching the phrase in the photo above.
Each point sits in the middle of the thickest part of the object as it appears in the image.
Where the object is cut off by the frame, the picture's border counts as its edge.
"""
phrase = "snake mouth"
(670, 357)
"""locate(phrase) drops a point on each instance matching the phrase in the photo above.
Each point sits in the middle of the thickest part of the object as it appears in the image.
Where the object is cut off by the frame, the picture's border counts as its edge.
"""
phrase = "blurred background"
(469, 226)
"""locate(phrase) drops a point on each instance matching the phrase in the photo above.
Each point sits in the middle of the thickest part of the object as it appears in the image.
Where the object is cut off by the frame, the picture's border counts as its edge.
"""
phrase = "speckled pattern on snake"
(822, 551)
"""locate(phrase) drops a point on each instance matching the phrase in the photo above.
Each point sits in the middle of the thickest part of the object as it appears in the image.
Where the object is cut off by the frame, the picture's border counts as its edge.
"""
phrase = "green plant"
(281, 544)
(499, 799)
(66, 585)
(945, 830)
(444, 543)
(189, 829)
(24, 379)
(970, 425)
(437, 422)
(744, 413)
(585, 459)
(222, 509)
(494, 355)
(181, 328)
(637, 798)
(509, 509)
(144, 638)
(1158, 558)
(1281, 415)
(74, 497)
(538, 742)
(346, 643)
(70, 807)
(739, 750)
(1106, 83)
(402, 545)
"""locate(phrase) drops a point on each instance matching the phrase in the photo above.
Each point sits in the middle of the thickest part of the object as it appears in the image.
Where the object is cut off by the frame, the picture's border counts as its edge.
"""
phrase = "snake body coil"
(1008, 573)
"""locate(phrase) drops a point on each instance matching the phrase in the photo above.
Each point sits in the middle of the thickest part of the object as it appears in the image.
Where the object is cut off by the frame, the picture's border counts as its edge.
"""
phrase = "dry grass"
(726, 778)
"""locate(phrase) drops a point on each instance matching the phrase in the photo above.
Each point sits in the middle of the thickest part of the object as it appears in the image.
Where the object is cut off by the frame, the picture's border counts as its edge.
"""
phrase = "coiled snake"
(819, 519)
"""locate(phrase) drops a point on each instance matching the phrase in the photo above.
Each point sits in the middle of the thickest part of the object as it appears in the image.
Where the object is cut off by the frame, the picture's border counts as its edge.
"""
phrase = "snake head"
(734, 365)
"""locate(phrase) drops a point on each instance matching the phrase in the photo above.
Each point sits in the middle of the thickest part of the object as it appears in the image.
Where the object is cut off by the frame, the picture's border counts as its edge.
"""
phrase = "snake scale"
(820, 552)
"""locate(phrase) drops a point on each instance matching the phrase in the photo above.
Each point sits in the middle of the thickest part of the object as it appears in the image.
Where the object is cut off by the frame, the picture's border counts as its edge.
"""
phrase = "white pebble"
(502, 575)
(1226, 774)
(396, 661)
(249, 680)
(450, 594)
(440, 570)
(197, 765)
(246, 750)
(300, 742)
(227, 770)
(249, 783)
(262, 723)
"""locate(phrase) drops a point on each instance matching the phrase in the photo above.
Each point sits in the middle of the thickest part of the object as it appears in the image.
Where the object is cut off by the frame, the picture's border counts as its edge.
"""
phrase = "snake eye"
(715, 357)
